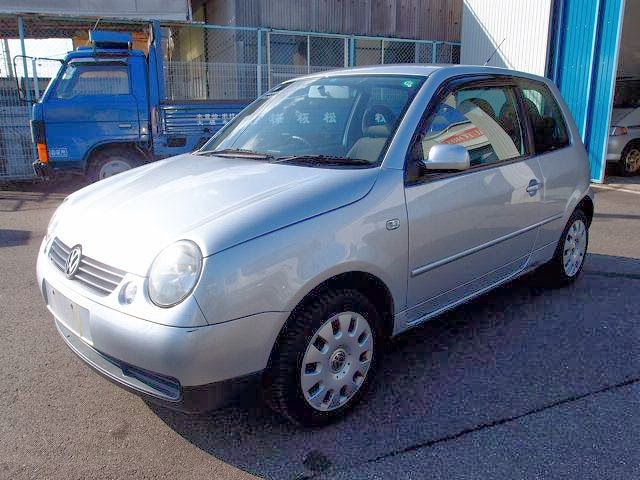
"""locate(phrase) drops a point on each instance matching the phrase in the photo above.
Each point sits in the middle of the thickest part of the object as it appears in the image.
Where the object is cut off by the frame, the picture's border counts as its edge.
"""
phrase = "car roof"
(425, 70)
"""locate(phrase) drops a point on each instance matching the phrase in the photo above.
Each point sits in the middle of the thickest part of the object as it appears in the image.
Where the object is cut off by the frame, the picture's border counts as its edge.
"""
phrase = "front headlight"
(174, 273)
(53, 222)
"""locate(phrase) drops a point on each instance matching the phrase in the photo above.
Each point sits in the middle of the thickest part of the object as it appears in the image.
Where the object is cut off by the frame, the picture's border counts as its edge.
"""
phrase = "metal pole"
(269, 60)
(416, 52)
(308, 54)
(352, 57)
(35, 79)
(24, 56)
(7, 58)
(345, 53)
(259, 64)
(434, 56)
(382, 52)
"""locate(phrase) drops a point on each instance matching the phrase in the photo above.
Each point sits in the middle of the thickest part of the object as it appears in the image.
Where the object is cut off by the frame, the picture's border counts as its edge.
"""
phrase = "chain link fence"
(235, 63)
(201, 62)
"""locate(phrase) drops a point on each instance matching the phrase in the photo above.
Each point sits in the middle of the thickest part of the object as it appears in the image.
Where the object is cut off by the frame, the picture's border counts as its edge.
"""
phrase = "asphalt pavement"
(524, 382)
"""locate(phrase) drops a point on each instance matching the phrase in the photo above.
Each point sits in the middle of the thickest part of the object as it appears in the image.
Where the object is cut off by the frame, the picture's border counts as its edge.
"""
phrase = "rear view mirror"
(443, 156)
(29, 84)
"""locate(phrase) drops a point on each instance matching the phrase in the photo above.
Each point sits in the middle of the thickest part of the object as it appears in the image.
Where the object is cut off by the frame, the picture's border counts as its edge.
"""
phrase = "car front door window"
(482, 120)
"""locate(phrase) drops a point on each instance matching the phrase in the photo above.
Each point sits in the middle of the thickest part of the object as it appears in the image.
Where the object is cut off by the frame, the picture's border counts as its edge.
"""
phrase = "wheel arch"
(587, 206)
(368, 284)
(100, 148)
(634, 142)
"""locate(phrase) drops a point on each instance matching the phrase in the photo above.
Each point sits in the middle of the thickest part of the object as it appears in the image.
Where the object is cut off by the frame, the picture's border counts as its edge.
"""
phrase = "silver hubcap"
(113, 167)
(575, 245)
(632, 161)
(336, 361)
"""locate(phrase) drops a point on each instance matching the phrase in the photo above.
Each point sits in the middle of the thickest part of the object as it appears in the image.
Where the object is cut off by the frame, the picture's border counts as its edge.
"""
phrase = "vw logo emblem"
(338, 360)
(73, 262)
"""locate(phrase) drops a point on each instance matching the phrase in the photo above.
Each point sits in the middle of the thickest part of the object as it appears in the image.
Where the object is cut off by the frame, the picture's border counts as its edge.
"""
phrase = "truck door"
(92, 103)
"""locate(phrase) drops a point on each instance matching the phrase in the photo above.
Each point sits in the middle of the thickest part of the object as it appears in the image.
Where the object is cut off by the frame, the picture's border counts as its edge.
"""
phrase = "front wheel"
(111, 162)
(325, 358)
(571, 251)
(630, 160)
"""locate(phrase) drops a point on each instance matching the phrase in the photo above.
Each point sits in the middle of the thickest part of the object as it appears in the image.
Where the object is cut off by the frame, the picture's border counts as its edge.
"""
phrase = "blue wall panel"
(578, 32)
(585, 64)
(604, 79)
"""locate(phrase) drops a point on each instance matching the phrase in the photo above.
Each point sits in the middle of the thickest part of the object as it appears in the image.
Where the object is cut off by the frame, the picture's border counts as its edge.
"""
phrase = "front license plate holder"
(70, 314)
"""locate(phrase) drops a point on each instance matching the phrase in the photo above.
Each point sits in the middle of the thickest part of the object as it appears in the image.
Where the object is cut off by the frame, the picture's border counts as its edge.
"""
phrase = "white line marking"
(616, 189)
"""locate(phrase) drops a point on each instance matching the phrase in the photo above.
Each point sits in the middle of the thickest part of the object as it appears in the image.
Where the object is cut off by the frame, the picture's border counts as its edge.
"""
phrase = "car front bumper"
(190, 369)
(615, 145)
(42, 170)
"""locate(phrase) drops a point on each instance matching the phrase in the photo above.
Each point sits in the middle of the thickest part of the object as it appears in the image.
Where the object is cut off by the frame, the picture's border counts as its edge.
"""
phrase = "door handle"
(124, 125)
(533, 187)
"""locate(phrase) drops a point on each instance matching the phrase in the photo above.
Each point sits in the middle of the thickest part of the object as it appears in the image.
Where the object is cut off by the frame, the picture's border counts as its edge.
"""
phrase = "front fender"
(276, 271)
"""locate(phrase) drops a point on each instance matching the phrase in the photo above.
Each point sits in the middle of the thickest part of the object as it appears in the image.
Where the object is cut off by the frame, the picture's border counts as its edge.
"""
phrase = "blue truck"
(105, 111)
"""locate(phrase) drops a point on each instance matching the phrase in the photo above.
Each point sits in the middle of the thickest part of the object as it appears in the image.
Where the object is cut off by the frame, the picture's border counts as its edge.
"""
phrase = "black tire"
(283, 379)
(554, 272)
(625, 167)
(100, 162)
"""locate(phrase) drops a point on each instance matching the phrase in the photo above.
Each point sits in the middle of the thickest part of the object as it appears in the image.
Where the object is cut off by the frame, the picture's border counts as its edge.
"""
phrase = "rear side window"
(547, 122)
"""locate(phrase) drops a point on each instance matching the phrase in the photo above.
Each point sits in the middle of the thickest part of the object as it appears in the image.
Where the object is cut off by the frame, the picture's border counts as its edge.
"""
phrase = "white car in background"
(624, 136)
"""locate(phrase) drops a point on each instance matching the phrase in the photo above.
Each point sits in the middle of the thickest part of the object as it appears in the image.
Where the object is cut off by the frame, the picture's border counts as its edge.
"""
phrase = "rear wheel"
(110, 162)
(630, 160)
(571, 251)
(326, 358)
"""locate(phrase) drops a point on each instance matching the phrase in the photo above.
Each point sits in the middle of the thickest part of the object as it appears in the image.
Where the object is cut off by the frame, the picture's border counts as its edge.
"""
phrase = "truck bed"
(185, 126)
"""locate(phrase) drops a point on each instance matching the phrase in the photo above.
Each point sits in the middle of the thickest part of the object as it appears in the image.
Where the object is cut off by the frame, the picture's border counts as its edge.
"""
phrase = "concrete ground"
(525, 382)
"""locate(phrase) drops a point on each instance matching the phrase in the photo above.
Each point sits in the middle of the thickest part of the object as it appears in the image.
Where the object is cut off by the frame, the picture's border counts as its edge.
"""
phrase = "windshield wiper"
(237, 152)
(323, 160)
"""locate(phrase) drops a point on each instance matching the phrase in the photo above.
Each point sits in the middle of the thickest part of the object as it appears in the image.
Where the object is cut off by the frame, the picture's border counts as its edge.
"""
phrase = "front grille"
(95, 275)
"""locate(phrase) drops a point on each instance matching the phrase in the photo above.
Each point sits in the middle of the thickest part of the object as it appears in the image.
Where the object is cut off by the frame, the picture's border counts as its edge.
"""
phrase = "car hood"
(625, 117)
(124, 221)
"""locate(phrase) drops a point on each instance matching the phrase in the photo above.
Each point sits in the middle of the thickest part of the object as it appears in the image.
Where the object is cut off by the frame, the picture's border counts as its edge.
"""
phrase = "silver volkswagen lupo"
(334, 212)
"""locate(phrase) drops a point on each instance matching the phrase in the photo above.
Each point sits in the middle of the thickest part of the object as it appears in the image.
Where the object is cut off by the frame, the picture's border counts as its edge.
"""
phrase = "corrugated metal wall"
(585, 61)
(417, 19)
(521, 26)
(138, 9)
(576, 55)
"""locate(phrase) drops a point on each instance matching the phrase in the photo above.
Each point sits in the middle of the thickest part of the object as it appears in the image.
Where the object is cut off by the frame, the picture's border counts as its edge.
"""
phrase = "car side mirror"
(443, 156)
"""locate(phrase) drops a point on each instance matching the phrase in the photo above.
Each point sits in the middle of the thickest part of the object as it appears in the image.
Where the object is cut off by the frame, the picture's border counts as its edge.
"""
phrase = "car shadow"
(14, 238)
(509, 352)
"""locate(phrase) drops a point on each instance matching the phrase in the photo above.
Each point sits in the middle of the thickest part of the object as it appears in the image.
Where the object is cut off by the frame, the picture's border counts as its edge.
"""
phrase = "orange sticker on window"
(465, 136)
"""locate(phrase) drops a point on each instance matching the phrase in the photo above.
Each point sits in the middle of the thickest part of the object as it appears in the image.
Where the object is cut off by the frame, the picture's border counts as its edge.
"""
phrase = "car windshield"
(336, 121)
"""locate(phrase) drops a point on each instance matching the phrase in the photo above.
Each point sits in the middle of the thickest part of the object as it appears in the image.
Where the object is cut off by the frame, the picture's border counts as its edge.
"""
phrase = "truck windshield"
(89, 79)
(333, 120)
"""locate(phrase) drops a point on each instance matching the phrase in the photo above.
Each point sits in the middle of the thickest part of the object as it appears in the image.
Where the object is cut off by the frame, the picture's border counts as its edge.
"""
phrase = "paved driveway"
(524, 382)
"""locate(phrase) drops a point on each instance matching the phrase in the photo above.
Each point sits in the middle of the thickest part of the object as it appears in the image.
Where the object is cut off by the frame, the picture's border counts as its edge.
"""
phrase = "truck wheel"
(111, 162)
(325, 358)
(630, 160)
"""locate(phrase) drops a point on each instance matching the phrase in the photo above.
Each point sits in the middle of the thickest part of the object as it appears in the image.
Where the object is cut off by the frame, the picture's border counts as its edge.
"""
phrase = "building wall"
(586, 48)
(630, 44)
(418, 19)
(519, 27)
(138, 9)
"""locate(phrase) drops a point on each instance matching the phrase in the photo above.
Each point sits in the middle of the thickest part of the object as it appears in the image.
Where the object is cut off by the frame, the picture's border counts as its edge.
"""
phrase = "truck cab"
(105, 111)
